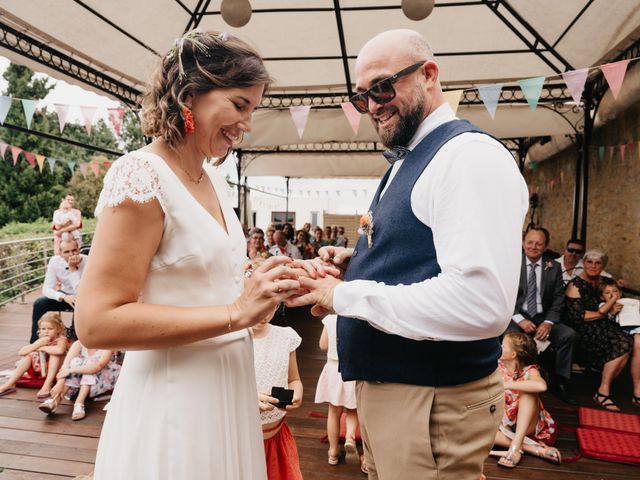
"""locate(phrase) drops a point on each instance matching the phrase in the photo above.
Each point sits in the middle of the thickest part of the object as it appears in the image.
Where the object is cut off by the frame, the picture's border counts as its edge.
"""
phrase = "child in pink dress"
(526, 425)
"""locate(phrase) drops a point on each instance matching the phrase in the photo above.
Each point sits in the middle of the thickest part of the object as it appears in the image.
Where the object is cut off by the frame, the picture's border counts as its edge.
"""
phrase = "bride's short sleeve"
(132, 177)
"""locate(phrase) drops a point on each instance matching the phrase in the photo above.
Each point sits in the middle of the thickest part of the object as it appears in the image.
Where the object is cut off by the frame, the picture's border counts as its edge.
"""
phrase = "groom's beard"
(404, 130)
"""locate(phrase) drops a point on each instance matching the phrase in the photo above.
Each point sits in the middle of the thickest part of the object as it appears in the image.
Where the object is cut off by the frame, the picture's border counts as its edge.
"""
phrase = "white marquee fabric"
(300, 42)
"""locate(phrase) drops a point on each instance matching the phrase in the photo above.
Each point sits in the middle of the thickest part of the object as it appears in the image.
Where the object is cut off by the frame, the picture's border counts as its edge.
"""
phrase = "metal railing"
(23, 265)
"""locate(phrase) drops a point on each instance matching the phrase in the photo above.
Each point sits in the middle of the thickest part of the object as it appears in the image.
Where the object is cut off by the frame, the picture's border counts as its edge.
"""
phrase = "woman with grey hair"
(607, 345)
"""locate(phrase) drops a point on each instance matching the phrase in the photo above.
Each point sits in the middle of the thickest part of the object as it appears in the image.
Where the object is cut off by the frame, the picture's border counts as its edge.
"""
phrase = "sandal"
(550, 454)
(7, 391)
(363, 465)
(78, 412)
(42, 395)
(635, 401)
(335, 459)
(49, 406)
(605, 402)
(511, 459)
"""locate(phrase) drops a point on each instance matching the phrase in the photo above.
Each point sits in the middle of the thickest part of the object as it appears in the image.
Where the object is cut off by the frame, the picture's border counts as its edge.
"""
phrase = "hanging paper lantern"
(417, 9)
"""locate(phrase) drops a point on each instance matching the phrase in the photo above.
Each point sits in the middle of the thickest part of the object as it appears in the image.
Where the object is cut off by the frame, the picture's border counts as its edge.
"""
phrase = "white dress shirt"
(474, 199)
(290, 250)
(58, 273)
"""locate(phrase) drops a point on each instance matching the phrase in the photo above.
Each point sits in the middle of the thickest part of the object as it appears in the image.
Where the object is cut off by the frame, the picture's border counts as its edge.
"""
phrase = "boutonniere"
(366, 227)
(548, 264)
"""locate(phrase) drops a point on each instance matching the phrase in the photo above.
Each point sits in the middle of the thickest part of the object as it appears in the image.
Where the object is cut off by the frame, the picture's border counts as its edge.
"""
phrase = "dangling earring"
(189, 123)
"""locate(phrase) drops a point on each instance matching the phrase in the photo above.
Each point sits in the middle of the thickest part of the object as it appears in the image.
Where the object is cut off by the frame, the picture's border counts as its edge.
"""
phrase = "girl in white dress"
(166, 280)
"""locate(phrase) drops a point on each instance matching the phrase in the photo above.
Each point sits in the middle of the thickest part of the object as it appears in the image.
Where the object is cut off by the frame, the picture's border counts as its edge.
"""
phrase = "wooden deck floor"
(34, 446)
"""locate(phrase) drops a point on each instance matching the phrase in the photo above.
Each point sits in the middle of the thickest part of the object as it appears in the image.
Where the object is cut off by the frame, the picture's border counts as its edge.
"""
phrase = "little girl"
(341, 396)
(63, 218)
(526, 425)
(276, 366)
(84, 373)
(44, 356)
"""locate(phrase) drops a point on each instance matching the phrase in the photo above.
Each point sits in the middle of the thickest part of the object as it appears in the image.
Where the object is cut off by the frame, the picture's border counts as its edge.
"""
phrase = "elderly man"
(60, 283)
(418, 327)
(539, 305)
(282, 246)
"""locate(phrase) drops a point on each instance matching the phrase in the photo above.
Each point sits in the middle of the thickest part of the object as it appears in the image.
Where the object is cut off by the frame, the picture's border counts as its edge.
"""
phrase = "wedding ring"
(277, 288)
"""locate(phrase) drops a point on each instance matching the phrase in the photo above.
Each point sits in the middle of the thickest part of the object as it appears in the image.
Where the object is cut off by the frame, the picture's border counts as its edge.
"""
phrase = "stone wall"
(613, 212)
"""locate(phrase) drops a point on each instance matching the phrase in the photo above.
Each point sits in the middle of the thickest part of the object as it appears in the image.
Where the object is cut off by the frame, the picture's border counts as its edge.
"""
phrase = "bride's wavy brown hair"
(200, 62)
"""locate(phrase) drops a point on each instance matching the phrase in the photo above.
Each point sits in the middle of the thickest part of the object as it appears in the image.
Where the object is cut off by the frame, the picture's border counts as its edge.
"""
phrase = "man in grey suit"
(539, 304)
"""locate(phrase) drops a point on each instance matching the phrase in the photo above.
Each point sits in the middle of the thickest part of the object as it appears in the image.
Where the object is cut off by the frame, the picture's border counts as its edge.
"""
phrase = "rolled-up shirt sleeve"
(49, 288)
(474, 199)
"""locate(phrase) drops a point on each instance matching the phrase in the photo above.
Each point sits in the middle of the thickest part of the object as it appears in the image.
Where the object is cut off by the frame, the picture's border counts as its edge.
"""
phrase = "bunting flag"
(575, 80)
(88, 113)
(532, 87)
(31, 158)
(40, 161)
(452, 97)
(353, 116)
(106, 164)
(632, 148)
(5, 105)
(601, 153)
(300, 115)
(29, 107)
(51, 162)
(95, 168)
(3, 148)
(611, 150)
(115, 117)
(15, 152)
(83, 168)
(614, 73)
(63, 112)
(490, 94)
(623, 147)
(71, 164)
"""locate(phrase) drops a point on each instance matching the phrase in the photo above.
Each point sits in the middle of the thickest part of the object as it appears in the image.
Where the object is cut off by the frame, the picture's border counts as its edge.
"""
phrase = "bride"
(166, 282)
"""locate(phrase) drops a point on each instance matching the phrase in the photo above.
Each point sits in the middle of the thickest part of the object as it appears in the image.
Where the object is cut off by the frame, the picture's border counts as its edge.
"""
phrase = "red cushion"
(621, 422)
(610, 446)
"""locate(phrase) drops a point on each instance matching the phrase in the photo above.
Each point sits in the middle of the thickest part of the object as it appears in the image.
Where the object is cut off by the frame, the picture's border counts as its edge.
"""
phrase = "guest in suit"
(539, 304)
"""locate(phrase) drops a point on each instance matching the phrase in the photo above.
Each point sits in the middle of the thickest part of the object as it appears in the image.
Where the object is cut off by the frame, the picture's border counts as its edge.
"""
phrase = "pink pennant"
(575, 82)
(115, 117)
(3, 149)
(63, 112)
(623, 147)
(614, 73)
(106, 164)
(31, 158)
(353, 116)
(83, 168)
(88, 113)
(15, 153)
(300, 115)
(95, 168)
(632, 147)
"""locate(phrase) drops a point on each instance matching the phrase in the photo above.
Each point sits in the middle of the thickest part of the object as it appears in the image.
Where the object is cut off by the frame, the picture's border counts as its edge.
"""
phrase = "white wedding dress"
(186, 412)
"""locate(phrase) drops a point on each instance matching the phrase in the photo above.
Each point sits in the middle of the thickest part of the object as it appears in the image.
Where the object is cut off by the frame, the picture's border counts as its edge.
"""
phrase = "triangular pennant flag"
(5, 105)
(71, 164)
(31, 158)
(490, 94)
(614, 73)
(106, 164)
(29, 107)
(353, 116)
(51, 162)
(95, 168)
(601, 153)
(63, 111)
(532, 87)
(300, 115)
(40, 161)
(88, 113)
(575, 82)
(632, 148)
(611, 150)
(623, 148)
(15, 152)
(452, 97)
(115, 117)
(562, 176)
(3, 149)
(83, 168)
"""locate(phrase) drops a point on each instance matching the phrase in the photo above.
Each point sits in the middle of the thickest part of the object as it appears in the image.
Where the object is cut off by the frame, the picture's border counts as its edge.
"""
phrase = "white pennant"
(63, 111)
(300, 115)
(88, 113)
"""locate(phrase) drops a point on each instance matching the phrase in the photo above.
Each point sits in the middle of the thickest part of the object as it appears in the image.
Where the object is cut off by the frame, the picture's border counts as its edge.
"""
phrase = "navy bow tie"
(395, 154)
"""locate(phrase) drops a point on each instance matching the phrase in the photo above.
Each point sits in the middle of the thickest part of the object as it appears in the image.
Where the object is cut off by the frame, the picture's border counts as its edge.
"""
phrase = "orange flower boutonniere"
(548, 264)
(366, 227)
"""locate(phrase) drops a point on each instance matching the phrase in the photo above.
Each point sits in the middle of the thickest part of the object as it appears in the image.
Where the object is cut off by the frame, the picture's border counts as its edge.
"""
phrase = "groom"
(432, 282)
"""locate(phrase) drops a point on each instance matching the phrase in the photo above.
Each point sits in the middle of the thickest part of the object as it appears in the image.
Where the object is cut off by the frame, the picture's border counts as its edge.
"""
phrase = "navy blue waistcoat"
(403, 252)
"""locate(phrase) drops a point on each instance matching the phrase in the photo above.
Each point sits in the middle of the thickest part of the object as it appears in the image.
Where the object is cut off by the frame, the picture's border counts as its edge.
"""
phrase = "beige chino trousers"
(414, 432)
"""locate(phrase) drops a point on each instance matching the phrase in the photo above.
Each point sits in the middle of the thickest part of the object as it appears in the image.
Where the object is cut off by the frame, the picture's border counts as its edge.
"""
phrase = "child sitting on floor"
(526, 425)
(84, 373)
(276, 366)
(44, 356)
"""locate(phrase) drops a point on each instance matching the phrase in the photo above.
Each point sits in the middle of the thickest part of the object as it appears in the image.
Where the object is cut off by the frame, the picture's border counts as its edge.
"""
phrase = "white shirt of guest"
(58, 273)
(474, 199)
(290, 250)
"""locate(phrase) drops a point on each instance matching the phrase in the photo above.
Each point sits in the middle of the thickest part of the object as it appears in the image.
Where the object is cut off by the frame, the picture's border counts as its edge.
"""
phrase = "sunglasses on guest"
(575, 250)
(383, 91)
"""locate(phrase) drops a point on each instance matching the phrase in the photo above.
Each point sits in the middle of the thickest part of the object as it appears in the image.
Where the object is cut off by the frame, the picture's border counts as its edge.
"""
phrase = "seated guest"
(288, 231)
(269, 237)
(304, 245)
(341, 240)
(307, 227)
(318, 241)
(60, 284)
(256, 248)
(607, 345)
(571, 261)
(283, 246)
(539, 306)
(328, 235)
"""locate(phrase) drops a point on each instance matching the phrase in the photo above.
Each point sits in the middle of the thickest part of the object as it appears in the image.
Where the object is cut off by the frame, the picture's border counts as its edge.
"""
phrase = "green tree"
(87, 189)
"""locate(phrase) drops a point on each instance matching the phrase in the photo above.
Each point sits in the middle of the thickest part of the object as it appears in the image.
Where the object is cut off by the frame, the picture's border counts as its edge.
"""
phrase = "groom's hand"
(320, 294)
(337, 256)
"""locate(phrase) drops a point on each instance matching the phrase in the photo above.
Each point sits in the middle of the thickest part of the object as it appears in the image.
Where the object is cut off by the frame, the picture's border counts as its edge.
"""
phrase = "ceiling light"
(417, 9)
(236, 13)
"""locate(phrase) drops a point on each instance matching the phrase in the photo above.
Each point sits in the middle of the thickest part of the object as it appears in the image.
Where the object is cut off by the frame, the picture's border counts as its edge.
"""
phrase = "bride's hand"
(266, 402)
(270, 284)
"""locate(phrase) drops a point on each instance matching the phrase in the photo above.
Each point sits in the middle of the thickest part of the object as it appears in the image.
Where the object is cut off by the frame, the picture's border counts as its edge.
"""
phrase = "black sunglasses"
(575, 250)
(383, 91)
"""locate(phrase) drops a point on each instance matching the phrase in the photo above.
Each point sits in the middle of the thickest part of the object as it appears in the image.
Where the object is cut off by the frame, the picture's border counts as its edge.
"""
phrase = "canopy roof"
(111, 47)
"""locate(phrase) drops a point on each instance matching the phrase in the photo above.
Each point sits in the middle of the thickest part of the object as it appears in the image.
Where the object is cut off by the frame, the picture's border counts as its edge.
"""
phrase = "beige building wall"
(613, 213)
